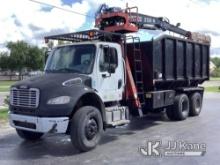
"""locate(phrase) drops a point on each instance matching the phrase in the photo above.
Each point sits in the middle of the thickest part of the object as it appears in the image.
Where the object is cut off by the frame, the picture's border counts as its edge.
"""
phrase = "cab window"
(108, 57)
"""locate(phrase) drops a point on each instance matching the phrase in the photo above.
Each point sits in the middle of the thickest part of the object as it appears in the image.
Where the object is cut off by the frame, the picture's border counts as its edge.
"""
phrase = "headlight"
(59, 100)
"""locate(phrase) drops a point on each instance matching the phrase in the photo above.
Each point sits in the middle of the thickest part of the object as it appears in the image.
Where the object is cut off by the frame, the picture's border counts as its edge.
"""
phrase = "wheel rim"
(91, 129)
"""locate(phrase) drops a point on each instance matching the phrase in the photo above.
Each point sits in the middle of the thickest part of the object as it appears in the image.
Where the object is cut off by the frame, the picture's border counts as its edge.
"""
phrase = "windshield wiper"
(63, 70)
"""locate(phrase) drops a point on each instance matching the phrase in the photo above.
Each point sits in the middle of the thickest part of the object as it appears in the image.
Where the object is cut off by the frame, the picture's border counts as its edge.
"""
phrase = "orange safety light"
(91, 34)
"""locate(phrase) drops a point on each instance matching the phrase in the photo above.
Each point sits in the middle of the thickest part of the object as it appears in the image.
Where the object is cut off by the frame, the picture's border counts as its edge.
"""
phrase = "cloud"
(30, 21)
(214, 33)
(25, 20)
(215, 51)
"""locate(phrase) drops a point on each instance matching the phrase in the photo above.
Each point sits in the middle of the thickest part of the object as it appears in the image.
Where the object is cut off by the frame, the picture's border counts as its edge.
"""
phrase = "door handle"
(119, 83)
(104, 75)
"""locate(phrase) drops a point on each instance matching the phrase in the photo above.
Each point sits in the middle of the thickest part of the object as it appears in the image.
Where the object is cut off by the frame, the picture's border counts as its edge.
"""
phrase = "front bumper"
(39, 124)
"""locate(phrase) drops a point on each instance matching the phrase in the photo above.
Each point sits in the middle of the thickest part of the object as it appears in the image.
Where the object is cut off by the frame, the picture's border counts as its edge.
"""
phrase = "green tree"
(4, 61)
(216, 61)
(22, 56)
(18, 55)
(34, 58)
(216, 72)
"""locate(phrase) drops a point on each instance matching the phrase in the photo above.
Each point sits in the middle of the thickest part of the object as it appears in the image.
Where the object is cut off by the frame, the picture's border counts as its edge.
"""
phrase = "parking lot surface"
(121, 145)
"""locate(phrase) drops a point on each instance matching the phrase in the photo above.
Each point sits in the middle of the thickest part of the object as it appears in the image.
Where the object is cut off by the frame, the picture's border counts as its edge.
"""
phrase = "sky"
(29, 21)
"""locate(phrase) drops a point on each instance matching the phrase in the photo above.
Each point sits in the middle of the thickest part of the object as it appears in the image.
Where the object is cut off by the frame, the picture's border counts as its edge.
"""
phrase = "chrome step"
(117, 115)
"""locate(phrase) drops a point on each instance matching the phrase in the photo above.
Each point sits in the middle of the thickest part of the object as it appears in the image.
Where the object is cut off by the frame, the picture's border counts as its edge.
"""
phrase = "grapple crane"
(115, 19)
(129, 20)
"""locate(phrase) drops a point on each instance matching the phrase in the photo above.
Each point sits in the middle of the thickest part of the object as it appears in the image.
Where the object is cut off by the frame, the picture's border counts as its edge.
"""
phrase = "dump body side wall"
(171, 62)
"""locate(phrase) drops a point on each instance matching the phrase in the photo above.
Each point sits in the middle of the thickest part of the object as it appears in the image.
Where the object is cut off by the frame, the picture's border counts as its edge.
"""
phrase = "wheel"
(180, 108)
(86, 128)
(170, 113)
(195, 104)
(28, 135)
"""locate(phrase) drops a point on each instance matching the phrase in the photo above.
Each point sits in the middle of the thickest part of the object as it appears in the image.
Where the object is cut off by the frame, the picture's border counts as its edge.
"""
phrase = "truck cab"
(101, 62)
(79, 78)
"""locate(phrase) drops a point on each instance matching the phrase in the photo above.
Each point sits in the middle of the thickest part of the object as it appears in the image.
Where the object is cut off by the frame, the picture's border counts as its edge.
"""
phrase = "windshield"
(73, 58)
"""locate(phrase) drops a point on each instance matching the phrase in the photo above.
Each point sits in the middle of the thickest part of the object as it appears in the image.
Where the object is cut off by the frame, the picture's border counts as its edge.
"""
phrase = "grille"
(25, 97)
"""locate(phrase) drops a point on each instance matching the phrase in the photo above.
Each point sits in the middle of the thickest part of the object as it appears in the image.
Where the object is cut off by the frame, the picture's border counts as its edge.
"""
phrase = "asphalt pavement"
(121, 145)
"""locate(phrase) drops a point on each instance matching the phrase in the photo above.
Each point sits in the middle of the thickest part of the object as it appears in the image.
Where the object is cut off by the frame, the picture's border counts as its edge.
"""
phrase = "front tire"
(86, 128)
(28, 135)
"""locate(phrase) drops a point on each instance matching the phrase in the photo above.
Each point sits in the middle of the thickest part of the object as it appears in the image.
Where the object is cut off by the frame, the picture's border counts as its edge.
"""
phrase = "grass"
(4, 88)
(4, 114)
(215, 78)
(5, 85)
(212, 89)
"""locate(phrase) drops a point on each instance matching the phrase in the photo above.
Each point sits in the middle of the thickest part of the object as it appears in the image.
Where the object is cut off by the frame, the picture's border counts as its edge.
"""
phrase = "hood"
(51, 80)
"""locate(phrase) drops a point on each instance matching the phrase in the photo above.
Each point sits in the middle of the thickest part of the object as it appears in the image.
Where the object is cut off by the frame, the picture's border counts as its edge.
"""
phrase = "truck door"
(110, 83)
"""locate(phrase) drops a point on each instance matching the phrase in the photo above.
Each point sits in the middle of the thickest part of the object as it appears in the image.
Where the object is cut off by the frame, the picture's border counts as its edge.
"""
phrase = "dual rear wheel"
(184, 106)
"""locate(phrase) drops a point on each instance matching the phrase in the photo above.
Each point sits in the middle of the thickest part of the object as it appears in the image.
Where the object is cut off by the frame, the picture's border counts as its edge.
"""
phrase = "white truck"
(99, 79)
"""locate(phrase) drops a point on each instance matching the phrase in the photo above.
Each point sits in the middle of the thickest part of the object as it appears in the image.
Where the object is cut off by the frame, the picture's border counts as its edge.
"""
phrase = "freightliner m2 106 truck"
(103, 76)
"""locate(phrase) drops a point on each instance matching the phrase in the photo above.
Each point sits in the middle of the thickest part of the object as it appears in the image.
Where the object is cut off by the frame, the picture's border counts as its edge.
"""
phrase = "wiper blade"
(66, 69)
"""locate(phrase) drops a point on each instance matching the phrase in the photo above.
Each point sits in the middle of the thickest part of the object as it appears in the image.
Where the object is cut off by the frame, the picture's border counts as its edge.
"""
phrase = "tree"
(216, 61)
(22, 56)
(18, 54)
(34, 59)
(4, 61)
(216, 72)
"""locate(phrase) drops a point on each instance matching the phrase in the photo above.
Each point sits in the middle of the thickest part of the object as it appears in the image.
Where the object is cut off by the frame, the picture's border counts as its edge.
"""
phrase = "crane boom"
(154, 23)
(115, 19)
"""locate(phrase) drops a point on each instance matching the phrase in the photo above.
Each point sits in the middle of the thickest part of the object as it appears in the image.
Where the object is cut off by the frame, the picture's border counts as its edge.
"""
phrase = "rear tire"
(195, 104)
(28, 135)
(180, 108)
(86, 128)
(170, 113)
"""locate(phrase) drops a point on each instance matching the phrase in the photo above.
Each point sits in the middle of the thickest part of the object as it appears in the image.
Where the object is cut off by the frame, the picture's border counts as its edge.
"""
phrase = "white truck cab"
(82, 86)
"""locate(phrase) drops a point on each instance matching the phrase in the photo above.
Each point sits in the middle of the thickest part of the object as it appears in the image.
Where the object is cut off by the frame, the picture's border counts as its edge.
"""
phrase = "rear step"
(117, 115)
